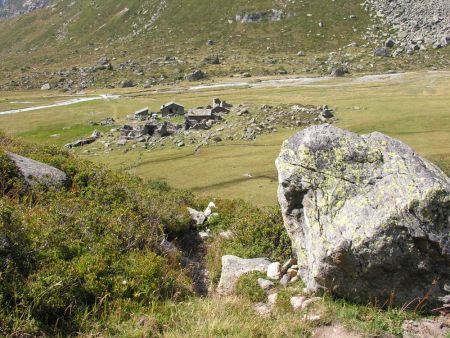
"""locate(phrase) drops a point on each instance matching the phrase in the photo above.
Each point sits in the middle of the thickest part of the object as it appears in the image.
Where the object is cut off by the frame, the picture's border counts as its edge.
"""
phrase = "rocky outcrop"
(195, 75)
(233, 267)
(9, 9)
(368, 218)
(271, 15)
(35, 172)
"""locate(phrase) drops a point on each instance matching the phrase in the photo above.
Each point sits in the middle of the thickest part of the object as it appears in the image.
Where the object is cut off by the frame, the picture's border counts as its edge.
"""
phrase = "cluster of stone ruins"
(196, 118)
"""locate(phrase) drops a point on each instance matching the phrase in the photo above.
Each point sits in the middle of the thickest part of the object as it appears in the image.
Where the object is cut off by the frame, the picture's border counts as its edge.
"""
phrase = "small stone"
(294, 279)
(273, 270)
(96, 134)
(291, 273)
(309, 301)
(313, 318)
(272, 298)
(390, 42)
(284, 280)
(197, 216)
(265, 284)
(262, 309)
(381, 51)
(291, 261)
(226, 234)
(296, 303)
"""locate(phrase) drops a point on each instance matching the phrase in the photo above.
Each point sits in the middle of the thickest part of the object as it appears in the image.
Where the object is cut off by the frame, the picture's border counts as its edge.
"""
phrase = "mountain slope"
(259, 37)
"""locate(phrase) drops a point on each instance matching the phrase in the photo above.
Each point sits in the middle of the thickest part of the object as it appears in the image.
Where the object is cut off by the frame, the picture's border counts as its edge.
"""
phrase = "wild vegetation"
(87, 260)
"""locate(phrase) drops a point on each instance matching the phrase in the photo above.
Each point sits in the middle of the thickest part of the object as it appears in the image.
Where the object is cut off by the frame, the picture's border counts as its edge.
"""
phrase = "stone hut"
(142, 113)
(171, 109)
(200, 114)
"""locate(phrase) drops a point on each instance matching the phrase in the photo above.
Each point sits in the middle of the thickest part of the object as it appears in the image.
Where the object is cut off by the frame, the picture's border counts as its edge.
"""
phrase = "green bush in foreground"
(247, 286)
(255, 232)
(62, 253)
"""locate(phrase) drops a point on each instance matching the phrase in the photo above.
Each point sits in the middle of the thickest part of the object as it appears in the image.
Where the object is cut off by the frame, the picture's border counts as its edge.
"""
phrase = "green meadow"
(413, 107)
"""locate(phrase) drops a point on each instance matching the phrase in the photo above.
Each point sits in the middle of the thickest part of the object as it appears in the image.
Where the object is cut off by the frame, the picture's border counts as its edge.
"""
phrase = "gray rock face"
(381, 51)
(233, 267)
(35, 172)
(271, 15)
(9, 9)
(196, 75)
(339, 71)
(416, 22)
(367, 216)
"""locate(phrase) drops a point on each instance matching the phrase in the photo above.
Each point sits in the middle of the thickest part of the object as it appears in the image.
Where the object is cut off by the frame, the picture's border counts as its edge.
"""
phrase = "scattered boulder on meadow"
(96, 134)
(367, 216)
(81, 142)
(196, 75)
(381, 51)
(46, 86)
(233, 267)
(339, 71)
(126, 84)
(103, 64)
(35, 172)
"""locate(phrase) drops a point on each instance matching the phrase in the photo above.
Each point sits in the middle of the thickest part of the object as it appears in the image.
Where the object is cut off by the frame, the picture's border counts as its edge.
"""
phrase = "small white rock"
(272, 299)
(264, 283)
(309, 301)
(273, 270)
(312, 318)
(262, 309)
(296, 302)
(294, 279)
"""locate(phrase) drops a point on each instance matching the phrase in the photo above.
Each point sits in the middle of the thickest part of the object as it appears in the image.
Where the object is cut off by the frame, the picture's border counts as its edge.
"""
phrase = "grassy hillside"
(87, 262)
(78, 33)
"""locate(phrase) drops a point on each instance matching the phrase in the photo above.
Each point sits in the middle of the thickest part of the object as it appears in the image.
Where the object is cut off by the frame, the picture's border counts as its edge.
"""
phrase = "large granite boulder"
(234, 267)
(368, 217)
(35, 172)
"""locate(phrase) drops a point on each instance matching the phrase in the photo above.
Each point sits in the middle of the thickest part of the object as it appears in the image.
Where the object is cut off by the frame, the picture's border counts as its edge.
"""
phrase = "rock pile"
(271, 15)
(418, 23)
(368, 218)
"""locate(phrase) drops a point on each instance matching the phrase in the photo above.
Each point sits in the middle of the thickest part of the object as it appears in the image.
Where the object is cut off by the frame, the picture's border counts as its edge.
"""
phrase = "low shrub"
(65, 252)
(256, 232)
(247, 286)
